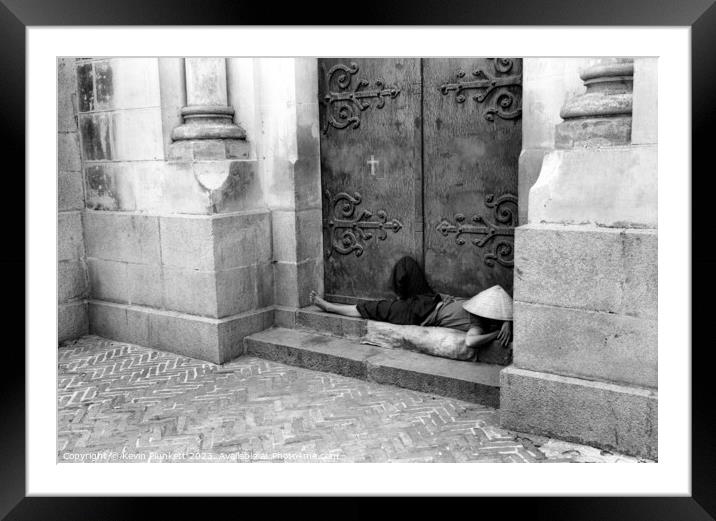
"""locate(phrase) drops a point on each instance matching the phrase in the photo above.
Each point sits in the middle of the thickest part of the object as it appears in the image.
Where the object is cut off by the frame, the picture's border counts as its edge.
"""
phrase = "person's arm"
(476, 338)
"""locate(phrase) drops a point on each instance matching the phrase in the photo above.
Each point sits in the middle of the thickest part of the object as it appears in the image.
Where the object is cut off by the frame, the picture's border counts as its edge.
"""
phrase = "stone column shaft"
(207, 114)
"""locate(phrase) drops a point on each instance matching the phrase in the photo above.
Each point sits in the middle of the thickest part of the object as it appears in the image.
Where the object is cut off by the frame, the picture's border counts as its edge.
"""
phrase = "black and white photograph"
(357, 259)
(270, 257)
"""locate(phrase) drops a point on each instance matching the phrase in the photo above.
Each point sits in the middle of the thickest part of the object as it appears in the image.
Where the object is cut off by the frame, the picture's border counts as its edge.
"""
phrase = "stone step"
(312, 318)
(469, 381)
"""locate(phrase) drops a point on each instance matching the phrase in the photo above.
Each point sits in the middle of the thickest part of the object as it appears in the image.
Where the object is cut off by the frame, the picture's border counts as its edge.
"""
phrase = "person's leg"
(347, 310)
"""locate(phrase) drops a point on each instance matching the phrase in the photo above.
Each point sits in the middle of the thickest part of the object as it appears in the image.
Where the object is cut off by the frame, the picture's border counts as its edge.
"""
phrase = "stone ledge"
(601, 414)
(468, 381)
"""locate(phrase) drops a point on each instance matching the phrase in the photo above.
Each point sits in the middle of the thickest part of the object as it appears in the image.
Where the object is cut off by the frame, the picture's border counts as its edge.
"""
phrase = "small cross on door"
(373, 163)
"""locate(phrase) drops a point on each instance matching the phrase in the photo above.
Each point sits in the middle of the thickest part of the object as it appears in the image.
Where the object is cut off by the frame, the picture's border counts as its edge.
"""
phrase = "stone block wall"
(290, 169)
(184, 251)
(72, 278)
(585, 364)
(550, 82)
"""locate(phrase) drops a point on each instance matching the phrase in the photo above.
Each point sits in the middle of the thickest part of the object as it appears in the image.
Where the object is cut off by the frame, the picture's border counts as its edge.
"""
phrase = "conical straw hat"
(493, 303)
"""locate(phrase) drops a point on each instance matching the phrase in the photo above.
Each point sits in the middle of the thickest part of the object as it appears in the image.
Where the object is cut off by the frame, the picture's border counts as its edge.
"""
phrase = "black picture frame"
(700, 15)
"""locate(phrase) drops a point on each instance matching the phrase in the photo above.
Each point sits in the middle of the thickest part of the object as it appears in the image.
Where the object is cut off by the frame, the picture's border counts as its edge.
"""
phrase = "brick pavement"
(126, 403)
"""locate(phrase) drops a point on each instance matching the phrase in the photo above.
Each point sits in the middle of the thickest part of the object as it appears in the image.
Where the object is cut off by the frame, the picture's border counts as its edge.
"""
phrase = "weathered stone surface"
(137, 135)
(187, 242)
(309, 277)
(209, 339)
(585, 267)
(236, 290)
(284, 317)
(130, 283)
(68, 152)
(69, 236)
(645, 128)
(108, 280)
(119, 322)
(145, 285)
(264, 285)
(464, 380)
(284, 235)
(242, 239)
(72, 320)
(612, 186)
(286, 284)
(66, 87)
(96, 136)
(190, 291)
(469, 381)
(309, 234)
(546, 84)
(70, 194)
(586, 344)
(312, 351)
(71, 280)
(241, 189)
(173, 189)
(122, 237)
(205, 81)
(209, 149)
(593, 132)
(233, 330)
(124, 83)
(605, 415)
(112, 186)
(297, 236)
(529, 166)
(312, 317)
(187, 335)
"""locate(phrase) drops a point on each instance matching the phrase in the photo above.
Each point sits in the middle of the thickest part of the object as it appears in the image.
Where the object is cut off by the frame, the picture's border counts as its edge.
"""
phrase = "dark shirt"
(409, 311)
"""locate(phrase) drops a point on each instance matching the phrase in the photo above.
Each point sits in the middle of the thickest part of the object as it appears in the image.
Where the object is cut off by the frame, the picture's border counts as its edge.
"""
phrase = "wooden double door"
(419, 157)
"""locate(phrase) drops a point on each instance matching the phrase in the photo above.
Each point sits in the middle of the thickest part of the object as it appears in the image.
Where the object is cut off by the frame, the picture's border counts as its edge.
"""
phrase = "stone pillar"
(179, 248)
(585, 347)
(208, 128)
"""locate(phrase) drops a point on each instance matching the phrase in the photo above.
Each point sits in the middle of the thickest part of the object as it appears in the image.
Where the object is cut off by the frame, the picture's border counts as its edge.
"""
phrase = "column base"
(210, 339)
(602, 414)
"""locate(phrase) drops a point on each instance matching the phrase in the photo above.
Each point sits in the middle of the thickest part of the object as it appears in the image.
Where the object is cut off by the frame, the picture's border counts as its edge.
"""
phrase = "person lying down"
(485, 317)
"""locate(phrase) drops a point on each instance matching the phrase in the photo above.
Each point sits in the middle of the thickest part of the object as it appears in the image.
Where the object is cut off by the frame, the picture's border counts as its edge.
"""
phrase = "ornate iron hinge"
(503, 103)
(344, 106)
(349, 231)
(500, 235)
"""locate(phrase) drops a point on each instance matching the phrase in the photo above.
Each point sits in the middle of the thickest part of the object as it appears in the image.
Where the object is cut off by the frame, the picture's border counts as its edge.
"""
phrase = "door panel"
(419, 157)
(472, 140)
(370, 171)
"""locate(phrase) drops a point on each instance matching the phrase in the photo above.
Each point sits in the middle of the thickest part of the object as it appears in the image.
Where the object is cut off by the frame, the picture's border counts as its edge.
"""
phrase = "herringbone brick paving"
(123, 403)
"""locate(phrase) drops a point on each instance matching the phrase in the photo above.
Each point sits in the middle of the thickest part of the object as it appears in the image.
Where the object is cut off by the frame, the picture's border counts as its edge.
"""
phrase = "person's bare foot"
(317, 300)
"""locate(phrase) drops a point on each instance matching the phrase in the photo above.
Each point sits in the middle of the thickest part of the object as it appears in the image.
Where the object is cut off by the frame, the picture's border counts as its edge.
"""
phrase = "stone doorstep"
(313, 319)
(469, 381)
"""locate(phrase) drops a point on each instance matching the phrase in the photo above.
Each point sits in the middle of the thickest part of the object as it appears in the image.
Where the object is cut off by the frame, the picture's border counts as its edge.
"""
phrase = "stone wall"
(72, 279)
(547, 84)
(202, 197)
(586, 272)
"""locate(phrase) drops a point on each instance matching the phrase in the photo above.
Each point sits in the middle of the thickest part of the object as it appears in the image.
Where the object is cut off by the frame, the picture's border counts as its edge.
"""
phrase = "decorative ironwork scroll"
(499, 235)
(350, 229)
(343, 105)
(492, 89)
